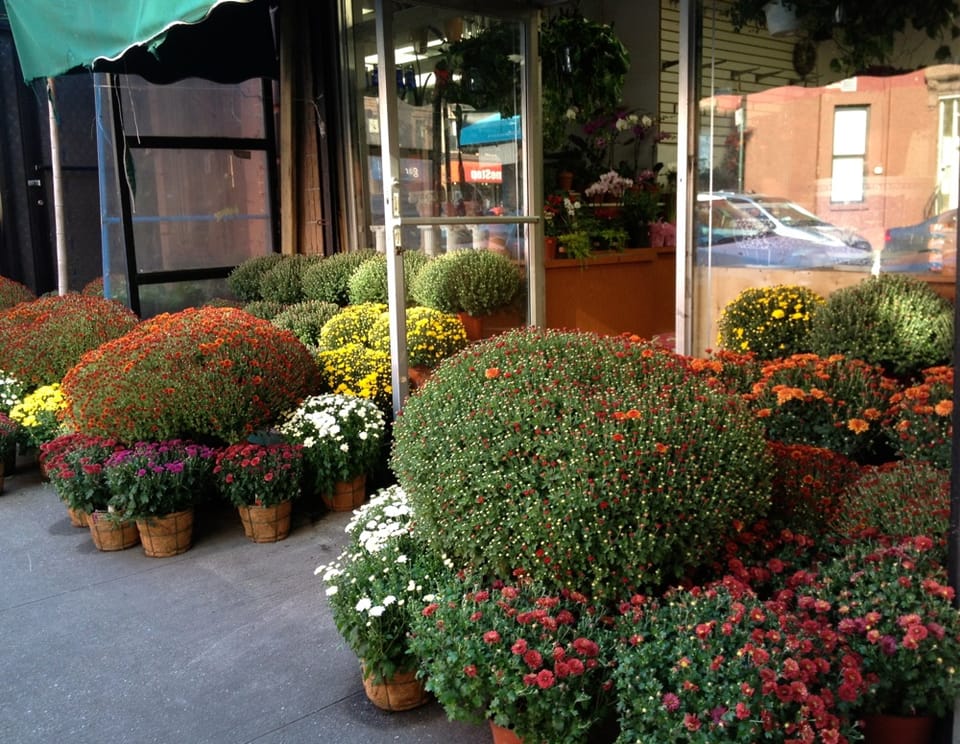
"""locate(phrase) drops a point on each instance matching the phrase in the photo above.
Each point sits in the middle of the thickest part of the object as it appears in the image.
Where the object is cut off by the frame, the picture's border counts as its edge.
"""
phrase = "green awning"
(54, 36)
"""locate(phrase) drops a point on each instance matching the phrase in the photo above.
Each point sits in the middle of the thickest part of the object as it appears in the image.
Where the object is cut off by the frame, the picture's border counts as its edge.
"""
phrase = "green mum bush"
(13, 293)
(589, 462)
(306, 319)
(329, 279)
(206, 373)
(245, 279)
(369, 282)
(893, 320)
(264, 309)
(769, 321)
(41, 340)
(474, 282)
(283, 282)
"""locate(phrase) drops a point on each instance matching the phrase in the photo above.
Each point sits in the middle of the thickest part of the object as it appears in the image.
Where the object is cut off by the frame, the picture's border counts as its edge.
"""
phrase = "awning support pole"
(60, 229)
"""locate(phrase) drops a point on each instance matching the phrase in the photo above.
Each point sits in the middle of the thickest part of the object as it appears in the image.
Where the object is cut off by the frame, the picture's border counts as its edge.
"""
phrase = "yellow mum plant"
(37, 414)
(772, 322)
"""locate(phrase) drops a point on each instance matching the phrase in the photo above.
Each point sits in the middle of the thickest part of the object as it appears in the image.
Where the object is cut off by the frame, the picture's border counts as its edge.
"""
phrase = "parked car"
(756, 230)
(928, 246)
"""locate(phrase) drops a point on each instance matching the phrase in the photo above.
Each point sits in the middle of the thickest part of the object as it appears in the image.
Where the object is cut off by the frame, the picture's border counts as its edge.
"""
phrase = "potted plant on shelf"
(261, 480)
(529, 661)
(157, 484)
(342, 439)
(639, 210)
(74, 463)
(381, 574)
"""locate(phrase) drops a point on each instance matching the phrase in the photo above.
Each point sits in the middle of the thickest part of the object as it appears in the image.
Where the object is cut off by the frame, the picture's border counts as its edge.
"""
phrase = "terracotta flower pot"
(503, 735)
(403, 691)
(109, 534)
(419, 376)
(347, 495)
(264, 524)
(883, 729)
(168, 535)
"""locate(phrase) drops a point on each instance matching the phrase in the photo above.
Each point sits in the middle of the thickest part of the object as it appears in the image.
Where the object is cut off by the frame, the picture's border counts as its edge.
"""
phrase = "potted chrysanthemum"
(261, 480)
(341, 437)
(530, 661)
(381, 574)
(158, 484)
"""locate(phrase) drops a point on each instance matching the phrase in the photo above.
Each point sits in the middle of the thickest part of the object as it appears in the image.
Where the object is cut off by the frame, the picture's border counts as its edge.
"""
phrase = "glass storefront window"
(459, 89)
(811, 177)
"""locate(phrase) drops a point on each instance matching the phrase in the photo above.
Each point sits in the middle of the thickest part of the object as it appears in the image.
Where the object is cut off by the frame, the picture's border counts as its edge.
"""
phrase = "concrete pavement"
(231, 642)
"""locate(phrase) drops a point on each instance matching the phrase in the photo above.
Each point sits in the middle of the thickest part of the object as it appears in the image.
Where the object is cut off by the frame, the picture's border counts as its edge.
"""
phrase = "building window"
(849, 153)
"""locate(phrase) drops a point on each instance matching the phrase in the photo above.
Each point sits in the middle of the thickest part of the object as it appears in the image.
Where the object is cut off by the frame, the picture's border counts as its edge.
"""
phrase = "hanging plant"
(584, 65)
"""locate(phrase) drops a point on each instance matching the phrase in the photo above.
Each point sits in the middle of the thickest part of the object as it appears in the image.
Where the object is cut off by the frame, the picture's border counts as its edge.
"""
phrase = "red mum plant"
(259, 474)
(895, 501)
(211, 373)
(41, 340)
(921, 418)
(13, 293)
(893, 609)
(808, 483)
(535, 662)
(74, 464)
(716, 663)
(831, 402)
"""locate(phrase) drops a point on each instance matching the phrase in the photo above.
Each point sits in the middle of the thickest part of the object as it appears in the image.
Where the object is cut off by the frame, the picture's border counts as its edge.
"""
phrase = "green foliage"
(369, 282)
(306, 319)
(283, 282)
(474, 282)
(772, 322)
(434, 286)
(590, 462)
(13, 293)
(892, 319)
(210, 373)
(264, 309)
(41, 340)
(328, 280)
(432, 336)
(245, 279)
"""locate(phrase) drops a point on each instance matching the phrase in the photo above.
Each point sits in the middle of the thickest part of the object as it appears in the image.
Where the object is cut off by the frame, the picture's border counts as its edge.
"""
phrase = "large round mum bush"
(595, 463)
(41, 340)
(894, 320)
(13, 293)
(329, 279)
(208, 373)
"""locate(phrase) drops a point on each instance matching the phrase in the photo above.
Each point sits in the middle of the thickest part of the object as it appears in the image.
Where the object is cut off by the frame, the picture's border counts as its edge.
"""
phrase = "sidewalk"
(228, 643)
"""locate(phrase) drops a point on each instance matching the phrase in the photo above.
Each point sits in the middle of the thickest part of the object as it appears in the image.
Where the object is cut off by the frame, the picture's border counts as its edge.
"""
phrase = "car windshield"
(787, 213)
(728, 222)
